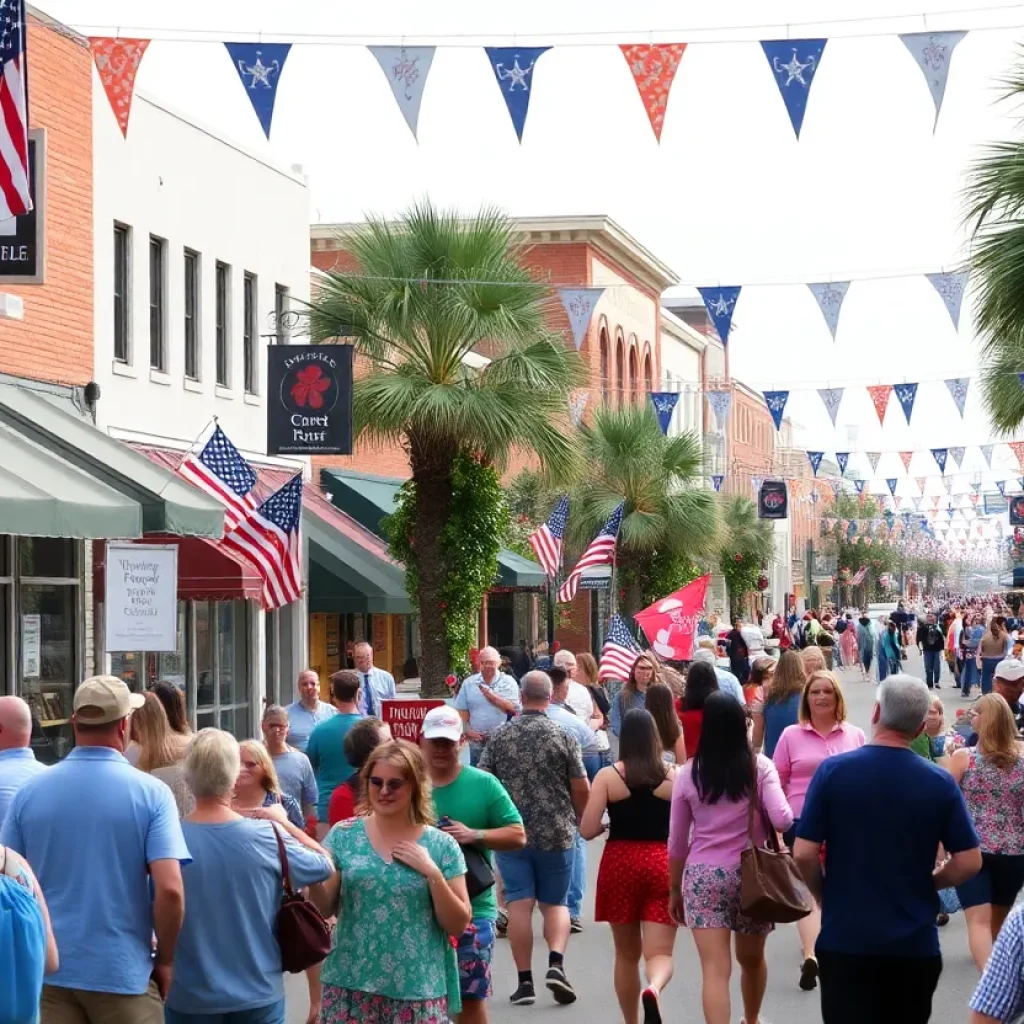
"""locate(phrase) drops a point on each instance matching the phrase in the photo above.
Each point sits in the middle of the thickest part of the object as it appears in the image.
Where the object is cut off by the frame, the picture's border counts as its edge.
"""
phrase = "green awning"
(168, 504)
(368, 499)
(346, 577)
(41, 495)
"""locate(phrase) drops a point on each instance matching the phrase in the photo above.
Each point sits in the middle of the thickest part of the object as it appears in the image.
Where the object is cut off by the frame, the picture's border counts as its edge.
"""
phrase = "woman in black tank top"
(632, 882)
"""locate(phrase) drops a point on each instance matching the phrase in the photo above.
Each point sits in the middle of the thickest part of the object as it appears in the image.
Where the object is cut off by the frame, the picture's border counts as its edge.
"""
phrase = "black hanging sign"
(1017, 510)
(309, 399)
(773, 500)
(22, 252)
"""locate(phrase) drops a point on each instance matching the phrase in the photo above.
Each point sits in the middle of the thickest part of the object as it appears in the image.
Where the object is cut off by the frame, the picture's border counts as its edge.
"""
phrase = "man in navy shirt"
(882, 812)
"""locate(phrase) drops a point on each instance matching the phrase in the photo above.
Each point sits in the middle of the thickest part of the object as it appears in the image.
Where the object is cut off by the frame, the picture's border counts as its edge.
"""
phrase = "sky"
(728, 197)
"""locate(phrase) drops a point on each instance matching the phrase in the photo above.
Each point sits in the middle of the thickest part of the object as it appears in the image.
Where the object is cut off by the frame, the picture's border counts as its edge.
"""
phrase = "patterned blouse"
(995, 798)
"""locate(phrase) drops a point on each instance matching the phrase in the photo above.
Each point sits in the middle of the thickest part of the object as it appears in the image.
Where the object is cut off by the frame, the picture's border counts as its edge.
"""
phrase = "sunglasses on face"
(386, 785)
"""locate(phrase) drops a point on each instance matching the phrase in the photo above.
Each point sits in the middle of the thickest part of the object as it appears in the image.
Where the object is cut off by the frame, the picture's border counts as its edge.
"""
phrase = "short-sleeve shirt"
(17, 766)
(387, 940)
(484, 717)
(854, 799)
(1000, 993)
(89, 827)
(302, 721)
(227, 958)
(326, 752)
(295, 774)
(536, 761)
(478, 800)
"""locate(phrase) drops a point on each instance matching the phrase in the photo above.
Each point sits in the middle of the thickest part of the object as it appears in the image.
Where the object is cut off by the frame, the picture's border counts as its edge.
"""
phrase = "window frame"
(158, 303)
(192, 267)
(282, 304)
(122, 266)
(222, 321)
(250, 334)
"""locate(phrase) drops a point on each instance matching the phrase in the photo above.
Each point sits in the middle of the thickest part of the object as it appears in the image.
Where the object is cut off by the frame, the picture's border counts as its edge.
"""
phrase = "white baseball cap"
(442, 723)
(1010, 669)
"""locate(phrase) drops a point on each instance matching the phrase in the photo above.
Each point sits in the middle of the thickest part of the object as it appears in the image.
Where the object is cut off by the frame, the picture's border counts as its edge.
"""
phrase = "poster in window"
(1017, 510)
(30, 646)
(309, 399)
(142, 597)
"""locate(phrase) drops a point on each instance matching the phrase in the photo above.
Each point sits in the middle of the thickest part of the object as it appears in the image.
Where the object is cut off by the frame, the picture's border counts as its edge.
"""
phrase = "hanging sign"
(309, 399)
(1017, 510)
(405, 717)
(141, 603)
(773, 500)
(22, 239)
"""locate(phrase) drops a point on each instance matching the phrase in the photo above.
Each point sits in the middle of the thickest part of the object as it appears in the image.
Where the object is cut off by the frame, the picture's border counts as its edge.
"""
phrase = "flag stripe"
(14, 171)
(600, 552)
(236, 506)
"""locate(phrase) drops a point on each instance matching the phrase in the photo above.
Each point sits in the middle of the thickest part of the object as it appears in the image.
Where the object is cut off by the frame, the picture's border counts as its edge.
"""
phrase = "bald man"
(486, 700)
(306, 713)
(17, 762)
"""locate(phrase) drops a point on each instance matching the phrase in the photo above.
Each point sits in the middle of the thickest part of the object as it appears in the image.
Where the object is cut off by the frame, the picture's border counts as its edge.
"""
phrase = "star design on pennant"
(515, 75)
(721, 306)
(794, 70)
(259, 72)
(934, 54)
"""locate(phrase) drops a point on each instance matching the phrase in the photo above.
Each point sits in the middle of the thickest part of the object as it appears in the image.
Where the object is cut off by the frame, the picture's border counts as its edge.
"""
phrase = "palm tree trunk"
(432, 473)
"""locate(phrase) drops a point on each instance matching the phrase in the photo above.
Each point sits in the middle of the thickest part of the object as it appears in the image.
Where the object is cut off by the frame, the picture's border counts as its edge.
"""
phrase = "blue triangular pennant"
(513, 70)
(891, 482)
(933, 51)
(815, 460)
(958, 390)
(906, 393)
(776, 402)
(406, 68)
(721, 304)
(859, 484)
(716, 481)
(579, 304)
(1001, 484)
(794, 63)
(842, 459)
(951, 290)
(830, 300)
(939, 455)
(664, 403)
(259, 66)
(721, 403)
(831, 397)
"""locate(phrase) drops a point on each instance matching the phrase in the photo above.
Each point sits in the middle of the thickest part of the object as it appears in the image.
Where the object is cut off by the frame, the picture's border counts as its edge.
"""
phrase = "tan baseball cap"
(103, 699)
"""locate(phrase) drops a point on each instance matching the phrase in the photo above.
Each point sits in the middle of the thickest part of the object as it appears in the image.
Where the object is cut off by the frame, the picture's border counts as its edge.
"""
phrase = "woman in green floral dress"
(401, 894)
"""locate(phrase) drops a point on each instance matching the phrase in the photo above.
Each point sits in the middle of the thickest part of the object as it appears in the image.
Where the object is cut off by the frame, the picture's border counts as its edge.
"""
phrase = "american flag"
(858, 576)
(220, 470)
(15, 194)
(619, 652)
(546, 540)
(600, 552)
(270, 539)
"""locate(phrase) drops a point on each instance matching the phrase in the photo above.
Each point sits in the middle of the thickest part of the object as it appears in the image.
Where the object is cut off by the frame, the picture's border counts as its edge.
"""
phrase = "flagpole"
(551, 615)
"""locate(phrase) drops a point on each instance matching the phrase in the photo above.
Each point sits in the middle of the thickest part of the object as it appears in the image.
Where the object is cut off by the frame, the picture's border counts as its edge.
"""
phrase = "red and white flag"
(619, 653)
(15, 193)
(600, 552)
(221, 471)
(670, 624)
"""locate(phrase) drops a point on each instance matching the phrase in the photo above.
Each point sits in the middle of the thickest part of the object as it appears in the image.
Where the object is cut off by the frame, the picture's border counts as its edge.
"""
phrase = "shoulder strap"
(282, 854)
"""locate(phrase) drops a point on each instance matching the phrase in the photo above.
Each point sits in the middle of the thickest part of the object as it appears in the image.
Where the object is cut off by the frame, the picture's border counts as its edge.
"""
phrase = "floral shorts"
(711, 899)
(350, 1006)
(475, 949)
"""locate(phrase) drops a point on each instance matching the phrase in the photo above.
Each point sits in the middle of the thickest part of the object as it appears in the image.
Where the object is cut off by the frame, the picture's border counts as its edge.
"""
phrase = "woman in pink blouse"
(820, 732)
(711, 796)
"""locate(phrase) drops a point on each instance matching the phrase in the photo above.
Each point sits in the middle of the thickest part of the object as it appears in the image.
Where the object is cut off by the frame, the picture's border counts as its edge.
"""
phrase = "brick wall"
(751, 443)
(54, 341)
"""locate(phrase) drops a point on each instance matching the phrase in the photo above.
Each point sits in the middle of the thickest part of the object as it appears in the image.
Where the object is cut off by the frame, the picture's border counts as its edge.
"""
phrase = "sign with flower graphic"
(309, 401)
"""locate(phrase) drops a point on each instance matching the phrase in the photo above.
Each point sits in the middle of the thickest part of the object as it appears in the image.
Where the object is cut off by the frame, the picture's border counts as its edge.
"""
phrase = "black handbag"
(479, 876)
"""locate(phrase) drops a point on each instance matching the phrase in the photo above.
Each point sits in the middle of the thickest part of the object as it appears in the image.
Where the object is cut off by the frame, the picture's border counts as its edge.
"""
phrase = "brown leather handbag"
(771, 888)
(303, 936)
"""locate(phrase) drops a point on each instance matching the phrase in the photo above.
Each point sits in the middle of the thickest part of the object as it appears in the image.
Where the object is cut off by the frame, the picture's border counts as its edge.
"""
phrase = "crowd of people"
(142, 878)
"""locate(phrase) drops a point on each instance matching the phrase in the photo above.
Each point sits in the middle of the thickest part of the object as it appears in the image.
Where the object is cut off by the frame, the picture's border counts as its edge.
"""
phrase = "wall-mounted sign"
(22, 239)
(773, 500)
(994, 504)
(1017, 510)
(309, 399)
(141, 597)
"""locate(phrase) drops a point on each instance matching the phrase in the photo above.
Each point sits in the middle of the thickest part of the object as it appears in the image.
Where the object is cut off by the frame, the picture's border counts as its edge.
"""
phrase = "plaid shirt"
(1000, 993)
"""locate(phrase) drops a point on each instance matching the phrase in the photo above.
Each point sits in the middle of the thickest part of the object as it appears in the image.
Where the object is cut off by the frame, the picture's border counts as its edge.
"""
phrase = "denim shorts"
(475, 949)
(542, 875)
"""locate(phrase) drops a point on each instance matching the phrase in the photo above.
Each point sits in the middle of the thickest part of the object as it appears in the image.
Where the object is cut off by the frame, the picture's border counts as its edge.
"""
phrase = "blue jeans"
(593, 764)
(969, 674)
(272, 1014)
(988, 672)
(578, 883)
(932, 667)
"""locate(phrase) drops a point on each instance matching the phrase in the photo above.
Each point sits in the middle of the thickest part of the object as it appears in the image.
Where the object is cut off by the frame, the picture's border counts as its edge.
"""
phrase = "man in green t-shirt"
(326, 746)
(472, 807)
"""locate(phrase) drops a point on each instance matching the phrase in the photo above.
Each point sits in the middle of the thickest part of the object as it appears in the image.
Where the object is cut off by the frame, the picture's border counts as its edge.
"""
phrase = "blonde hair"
(586, 668)
(804, 715)
(212, 763)
(259, 754)
(997, 732)
(789, 678)
(813, 659)
(159, 744)
(674, 680)
(408, 759)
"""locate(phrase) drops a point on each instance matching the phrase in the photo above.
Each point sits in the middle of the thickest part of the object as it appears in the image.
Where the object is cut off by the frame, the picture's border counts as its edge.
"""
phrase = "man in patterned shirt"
(541, 767)
(999, 997)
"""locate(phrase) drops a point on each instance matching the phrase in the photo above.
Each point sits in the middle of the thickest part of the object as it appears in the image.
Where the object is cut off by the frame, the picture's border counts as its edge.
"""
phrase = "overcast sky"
(728, 197)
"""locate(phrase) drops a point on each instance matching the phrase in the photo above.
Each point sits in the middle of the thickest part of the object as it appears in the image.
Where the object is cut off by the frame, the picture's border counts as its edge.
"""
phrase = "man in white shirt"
(485, 701)
(578, 698)
(727, 682)
(376, 683)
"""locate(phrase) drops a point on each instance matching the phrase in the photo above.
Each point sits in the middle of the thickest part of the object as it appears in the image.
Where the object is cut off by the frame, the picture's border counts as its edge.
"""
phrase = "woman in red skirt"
(632, 883)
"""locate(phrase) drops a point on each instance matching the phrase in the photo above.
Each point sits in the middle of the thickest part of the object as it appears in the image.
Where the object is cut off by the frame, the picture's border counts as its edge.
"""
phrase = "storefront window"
(141, 669)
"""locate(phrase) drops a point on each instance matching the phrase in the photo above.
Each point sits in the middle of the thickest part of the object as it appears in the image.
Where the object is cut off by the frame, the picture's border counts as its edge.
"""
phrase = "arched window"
(648, 373)
(605, 366)
(634, 370)
(620, 371)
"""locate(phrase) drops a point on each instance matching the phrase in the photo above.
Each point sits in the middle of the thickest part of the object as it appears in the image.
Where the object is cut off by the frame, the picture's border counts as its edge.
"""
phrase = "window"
(605, 369)
(192, 278)
(281, 304)
(223, 289)
(222, 688)
(250, 339)
(122, 257)
(157, 352)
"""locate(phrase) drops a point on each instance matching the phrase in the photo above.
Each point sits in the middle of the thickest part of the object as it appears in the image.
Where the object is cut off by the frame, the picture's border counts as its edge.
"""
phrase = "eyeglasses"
(386, 785)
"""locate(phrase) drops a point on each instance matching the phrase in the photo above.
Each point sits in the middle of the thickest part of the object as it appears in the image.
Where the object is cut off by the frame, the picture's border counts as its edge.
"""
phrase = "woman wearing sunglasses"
(399, 894)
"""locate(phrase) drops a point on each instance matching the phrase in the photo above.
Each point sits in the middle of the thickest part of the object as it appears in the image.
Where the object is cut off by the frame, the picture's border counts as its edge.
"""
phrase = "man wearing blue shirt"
(18, 763)
(305, 714)
(376, 684)
(485, 701)
(727, 681)
(878, 950)
(105, 843)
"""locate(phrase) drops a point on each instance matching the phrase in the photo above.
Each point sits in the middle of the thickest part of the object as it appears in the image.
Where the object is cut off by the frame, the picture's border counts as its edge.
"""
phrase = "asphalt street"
(589, 957)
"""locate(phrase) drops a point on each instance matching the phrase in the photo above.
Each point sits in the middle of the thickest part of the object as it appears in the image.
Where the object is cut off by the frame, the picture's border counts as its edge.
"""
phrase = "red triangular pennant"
(653, 67)
(880, 396)
(117, 61)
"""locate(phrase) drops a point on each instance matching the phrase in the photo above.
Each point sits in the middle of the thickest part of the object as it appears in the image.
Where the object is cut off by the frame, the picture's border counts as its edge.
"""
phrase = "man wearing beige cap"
(97, 831)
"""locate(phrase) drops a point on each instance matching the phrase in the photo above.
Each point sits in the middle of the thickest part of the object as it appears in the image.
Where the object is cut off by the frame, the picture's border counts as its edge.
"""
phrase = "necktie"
(371, 711)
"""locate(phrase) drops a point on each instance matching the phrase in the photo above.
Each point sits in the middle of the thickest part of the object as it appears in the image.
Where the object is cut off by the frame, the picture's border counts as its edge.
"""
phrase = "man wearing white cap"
(98, 832)
(474, 808)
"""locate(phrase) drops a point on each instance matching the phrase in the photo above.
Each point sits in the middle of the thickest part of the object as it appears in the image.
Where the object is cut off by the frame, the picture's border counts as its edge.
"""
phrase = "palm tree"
(748, 542)
(995, 212)
(430, 290)
(667, 522)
